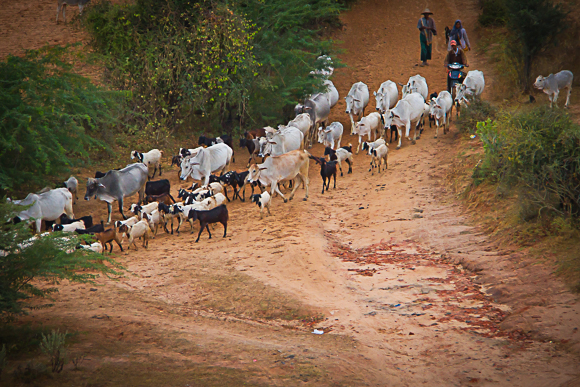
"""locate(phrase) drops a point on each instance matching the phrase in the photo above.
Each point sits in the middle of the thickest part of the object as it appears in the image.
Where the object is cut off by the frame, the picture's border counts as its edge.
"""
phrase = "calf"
(91, 230)
(340, 155)
(108, 236)
(138, 230)
(378, 155)
(218, 214)
(327, 170)
(552, 84)
(97, 247)
(87, 220)
(263, 201)
(163, 198)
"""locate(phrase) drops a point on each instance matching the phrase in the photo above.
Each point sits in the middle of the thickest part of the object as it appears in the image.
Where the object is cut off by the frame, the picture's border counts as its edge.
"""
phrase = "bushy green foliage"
(538, 152)
(493, 13)
(531, 27)
(477, 111)
(218, 63)
(49, 117)
(25, 260)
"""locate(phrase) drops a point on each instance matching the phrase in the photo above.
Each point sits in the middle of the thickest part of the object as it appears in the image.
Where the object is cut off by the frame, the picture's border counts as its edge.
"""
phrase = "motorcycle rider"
(455, 55)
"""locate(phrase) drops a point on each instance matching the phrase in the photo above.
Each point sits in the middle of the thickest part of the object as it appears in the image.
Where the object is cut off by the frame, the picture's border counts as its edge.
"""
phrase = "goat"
(87, 220)
(166, 215)
(71, 227)
(91, 230)
(341, 154)
(327, 169)
(379, 154)
(150, 159)
(129, 222)
(148, 208)
(140, 229)
(218, 214)
(153, 219)
(263, 201)
(108, 236)
(163, 198)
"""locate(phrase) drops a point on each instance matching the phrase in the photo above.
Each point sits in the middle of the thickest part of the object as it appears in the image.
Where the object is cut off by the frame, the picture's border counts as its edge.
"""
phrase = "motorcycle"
(454, 76)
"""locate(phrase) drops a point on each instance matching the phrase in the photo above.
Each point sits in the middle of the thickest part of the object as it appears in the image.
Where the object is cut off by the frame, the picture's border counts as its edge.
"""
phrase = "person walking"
(459, 34)
(426, 26)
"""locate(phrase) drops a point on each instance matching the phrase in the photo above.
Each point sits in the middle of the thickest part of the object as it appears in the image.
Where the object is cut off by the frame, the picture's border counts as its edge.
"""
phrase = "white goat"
(378, 155)
(150, 159)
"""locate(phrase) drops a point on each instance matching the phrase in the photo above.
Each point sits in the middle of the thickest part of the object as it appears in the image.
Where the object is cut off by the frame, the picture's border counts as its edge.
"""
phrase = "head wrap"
(456, 32)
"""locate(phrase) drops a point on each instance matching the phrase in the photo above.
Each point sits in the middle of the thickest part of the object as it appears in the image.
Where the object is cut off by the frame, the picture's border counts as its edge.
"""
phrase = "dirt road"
(411, 293)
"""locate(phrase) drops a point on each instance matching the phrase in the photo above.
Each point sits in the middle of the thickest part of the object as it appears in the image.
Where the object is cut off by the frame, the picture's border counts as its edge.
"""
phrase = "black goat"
(206, 141)
(327, 169)
(225, 138)
(237, 181)
(91, 230)
(331, 153)
(158, 187)
(216, 215)
(88, 220)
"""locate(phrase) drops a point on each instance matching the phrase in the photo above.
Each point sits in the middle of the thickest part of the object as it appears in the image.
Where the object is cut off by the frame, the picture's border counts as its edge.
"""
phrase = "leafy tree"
(533, 25)
(28, 264)
(211, 63)
(49, 116)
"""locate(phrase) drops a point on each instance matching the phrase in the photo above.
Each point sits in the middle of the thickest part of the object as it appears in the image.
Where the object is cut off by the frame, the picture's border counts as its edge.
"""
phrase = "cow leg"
(109, 210)
(556, 94)
(437, 127)
(296, 185)
(351, 124)
(400, 133)
(121, 209)
(568, 96)
(359, 142)
(274, 188)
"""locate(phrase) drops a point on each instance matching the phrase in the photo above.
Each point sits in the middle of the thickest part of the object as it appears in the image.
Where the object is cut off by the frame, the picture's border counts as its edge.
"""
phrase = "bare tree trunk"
(527, 73)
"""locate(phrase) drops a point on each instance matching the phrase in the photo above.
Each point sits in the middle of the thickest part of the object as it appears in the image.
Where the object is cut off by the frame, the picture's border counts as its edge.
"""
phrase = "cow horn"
(102, 185)
(400, 84)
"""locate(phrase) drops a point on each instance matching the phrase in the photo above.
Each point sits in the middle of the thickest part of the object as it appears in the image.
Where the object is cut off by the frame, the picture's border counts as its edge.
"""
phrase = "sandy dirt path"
(412, 294)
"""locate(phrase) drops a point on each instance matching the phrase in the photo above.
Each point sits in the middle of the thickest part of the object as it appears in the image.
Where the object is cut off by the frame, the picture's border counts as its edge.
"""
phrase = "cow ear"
(262, 168)
(193, 163)
(357, 100)
(102, 185)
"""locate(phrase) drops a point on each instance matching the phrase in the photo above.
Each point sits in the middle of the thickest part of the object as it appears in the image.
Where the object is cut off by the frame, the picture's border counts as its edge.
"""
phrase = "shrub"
(49, 117)
(53, 345)
(211, 63)
(539, 152)
(25, 261)
(493, 13)
(477, 111)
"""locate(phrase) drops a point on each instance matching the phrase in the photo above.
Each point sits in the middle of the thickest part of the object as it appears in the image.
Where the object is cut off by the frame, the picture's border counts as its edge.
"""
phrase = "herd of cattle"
(285, 160)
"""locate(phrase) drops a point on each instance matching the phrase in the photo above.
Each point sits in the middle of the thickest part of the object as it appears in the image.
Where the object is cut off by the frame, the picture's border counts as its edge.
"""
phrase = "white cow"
(387, 96)
(303, 122)
(46, 206)
(209, 160)
(276, 169)
(552, 84)
(283, 141)
(407, 111)
(367, 126)
(331, 93)
(441, 108)
(416, 84)
(330, 135)
(472, 86)
(356, 102)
